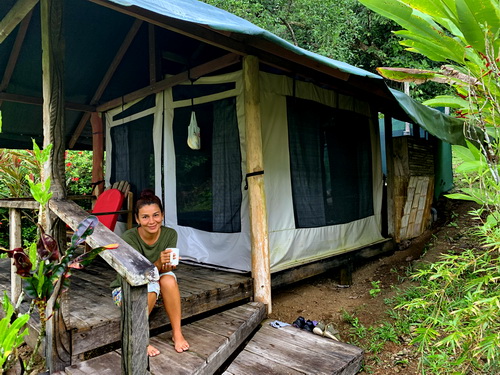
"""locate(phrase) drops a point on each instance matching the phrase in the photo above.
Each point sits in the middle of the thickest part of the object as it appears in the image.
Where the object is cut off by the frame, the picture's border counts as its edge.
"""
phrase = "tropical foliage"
(45, 270)
(459, 297)
(12, 332)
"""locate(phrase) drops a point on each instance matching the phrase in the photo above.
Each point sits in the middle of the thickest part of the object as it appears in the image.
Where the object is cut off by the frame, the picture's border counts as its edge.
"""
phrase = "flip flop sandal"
(319, 329)
(331, 332)
(299, 322)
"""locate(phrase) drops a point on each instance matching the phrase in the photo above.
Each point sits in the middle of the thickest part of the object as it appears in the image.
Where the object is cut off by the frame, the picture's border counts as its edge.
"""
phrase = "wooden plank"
(248, 363)
(128, 262)
(304, 271)
(27, 203)
(15, 241)
(286, 346)
(259, 236)
(107, 364)
(212, 341)
(135, 329)
(97, 153)
(291, 335)
(17, 13)
(16, 98)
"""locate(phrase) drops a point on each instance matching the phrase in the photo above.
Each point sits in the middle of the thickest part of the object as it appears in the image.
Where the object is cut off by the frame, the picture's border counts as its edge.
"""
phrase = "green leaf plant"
(460, 294)
(11, 333)
(44, 270)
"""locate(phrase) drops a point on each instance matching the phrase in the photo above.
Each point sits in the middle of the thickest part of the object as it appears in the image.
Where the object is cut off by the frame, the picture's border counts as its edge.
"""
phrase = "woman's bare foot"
(180, 343)
(152, 351)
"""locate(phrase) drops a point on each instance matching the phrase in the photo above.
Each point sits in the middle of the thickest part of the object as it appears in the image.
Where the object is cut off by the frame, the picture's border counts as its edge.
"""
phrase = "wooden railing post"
(389, 157)
(259, 235)
(15, 241)
(135, 329)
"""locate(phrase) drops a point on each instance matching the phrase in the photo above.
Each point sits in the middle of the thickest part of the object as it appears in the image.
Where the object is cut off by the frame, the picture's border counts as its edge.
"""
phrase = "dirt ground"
(322, 299)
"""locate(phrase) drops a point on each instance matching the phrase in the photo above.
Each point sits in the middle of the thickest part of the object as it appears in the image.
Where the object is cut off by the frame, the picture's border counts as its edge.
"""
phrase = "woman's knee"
(168, 282)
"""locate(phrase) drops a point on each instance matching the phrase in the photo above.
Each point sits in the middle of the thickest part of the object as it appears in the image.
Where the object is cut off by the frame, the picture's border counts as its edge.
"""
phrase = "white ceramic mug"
(174, 259)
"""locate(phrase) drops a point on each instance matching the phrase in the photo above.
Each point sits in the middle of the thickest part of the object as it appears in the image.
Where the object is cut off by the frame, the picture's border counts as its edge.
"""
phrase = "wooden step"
(289, 350)
(212, 341)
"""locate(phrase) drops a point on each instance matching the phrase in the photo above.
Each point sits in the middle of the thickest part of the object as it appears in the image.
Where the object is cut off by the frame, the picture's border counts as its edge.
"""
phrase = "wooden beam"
(105, 80)
(195, 72)
(154, 61)
(15, 98)
(389, 161)
(135, 329)
(17, 13)
(51, 15)
(15, 241)
(14, 54)
(128, 262)
(97, 153)
(259, 236)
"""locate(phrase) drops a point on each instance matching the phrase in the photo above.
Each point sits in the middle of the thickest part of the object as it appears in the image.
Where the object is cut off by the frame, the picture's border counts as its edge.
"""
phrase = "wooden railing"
(135, 269)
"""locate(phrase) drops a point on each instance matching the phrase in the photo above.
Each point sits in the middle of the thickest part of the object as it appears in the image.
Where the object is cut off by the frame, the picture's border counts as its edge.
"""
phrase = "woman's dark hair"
(147, 197)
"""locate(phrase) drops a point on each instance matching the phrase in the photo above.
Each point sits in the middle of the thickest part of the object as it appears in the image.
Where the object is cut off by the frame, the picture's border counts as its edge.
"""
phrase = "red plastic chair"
(107, 207)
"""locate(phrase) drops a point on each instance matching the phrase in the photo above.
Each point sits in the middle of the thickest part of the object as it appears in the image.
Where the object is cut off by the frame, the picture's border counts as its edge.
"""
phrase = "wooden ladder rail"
(135, 269)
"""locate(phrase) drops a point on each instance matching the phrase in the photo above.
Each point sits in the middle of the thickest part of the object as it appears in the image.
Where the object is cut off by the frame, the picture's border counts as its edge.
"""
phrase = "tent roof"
(107, 50)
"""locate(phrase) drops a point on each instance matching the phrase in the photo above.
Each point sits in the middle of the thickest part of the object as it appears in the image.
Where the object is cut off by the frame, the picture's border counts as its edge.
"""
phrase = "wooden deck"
(292, 351)
(94, 321)
(212, 340)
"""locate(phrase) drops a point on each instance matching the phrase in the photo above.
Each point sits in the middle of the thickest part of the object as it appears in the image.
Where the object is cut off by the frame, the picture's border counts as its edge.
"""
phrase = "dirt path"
(321, 298)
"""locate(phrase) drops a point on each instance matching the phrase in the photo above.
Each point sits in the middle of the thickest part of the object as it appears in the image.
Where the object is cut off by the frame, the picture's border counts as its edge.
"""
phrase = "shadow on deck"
(93, 320)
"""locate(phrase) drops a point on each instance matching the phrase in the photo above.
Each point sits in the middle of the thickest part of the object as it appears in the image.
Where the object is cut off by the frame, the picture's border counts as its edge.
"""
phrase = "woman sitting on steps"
(154, 241)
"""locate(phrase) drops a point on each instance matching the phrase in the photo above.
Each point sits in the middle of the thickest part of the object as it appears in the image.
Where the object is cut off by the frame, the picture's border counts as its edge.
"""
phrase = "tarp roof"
(190, 33)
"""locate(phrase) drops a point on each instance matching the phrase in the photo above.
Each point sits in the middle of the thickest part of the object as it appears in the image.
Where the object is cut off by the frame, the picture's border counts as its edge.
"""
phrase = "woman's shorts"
(153, 287)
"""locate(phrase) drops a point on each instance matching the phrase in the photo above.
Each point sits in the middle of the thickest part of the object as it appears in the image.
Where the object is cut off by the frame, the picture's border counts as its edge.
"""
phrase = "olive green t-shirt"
(167, 239)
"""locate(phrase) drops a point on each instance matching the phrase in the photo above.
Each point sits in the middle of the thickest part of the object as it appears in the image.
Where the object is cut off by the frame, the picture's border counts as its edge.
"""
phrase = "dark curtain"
(226, 168)
(350, 163)
(306, 151)
(208, 180)
(133, 154)
(331, 164)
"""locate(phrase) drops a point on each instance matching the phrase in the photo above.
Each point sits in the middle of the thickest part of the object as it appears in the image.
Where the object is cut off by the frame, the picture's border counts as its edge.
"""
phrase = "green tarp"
(444, 127)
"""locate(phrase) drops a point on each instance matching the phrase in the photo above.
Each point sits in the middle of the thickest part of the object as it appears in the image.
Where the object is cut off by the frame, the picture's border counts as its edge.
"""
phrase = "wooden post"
(389, 154)
(15, 241)
(346, 272)
(135, 329)
(97, 152)
(51, 19)
(259, 236)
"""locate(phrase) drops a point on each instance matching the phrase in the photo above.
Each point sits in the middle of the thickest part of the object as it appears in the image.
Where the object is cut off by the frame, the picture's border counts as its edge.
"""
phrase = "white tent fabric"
(288, 246)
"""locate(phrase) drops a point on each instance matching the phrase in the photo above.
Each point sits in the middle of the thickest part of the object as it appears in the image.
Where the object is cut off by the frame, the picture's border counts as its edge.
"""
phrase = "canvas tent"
(320, 146)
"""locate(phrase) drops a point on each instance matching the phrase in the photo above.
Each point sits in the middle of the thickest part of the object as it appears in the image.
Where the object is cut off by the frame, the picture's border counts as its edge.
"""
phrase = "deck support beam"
(259, 236)
(51, 14)
(135, 329)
